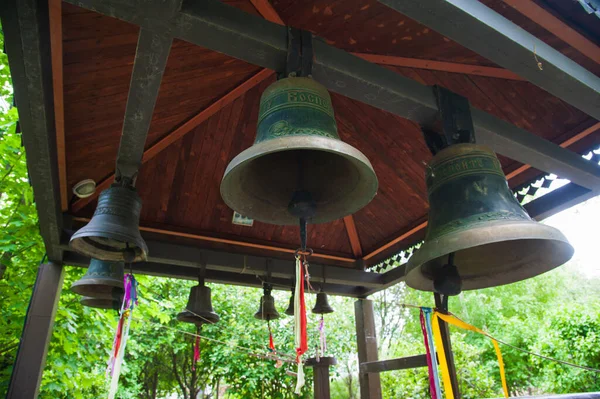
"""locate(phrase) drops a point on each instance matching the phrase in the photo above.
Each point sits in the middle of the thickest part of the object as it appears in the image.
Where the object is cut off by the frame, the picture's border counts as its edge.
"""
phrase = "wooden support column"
(321, 375)
(366, 337)
(37, 331)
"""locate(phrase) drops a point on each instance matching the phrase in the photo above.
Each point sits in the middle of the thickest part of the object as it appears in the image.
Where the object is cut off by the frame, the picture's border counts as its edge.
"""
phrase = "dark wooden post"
(441, 303)
(321, 375)
(366, 337)
(37, 331)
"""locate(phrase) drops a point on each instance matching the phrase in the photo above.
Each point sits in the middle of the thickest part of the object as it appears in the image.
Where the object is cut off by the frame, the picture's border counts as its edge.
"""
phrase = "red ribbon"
(429, 359)
(196, 352)
(271, 342)
(303, 336)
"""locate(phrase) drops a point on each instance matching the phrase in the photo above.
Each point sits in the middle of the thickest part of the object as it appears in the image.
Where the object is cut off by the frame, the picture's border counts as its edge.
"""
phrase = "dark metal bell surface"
(113, 234)
(297, 147)
(474, 215)
(290, 309)
(101, 279)
(267, 310)
(101, 303)
(322, 304)
(199, 308)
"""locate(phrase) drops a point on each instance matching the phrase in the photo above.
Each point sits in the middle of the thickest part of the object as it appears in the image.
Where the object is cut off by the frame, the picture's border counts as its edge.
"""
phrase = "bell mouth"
(260, 182)
(99, 246)
(100, 303)
(494, 254)
(199, 320)
(98, 287)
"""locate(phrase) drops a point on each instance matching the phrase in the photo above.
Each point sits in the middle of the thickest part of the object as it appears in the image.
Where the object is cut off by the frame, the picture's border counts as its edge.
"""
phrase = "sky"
(581, 225)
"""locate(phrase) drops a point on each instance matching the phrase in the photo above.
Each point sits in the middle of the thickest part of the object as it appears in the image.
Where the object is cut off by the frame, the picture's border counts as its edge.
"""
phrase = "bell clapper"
(446, 280)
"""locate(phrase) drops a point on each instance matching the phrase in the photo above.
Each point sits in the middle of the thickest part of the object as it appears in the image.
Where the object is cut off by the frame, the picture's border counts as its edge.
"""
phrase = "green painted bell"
(102, 279)
(113, 234)
(478, 235)
(298, 166)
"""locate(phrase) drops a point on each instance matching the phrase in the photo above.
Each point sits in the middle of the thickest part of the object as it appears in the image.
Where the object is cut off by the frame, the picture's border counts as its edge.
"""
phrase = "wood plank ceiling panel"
(98, 60)
(516, 17)
(367, 26)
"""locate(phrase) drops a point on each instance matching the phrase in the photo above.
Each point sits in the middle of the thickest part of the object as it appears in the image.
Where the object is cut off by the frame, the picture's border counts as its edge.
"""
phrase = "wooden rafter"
(453, 67)
(182, 130)
(557, 27)
(353, 236)
(56, 48)
(265, 9)
(230, 242)
(514, 173)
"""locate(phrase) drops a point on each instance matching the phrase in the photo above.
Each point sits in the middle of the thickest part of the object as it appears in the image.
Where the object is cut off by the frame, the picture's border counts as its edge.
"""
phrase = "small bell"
(298, 165)
(199, 308)
(102, 279)
(267, 310)
(102, 303)
(113, 234)
(290, 309)
(478, 235)
(322, 304)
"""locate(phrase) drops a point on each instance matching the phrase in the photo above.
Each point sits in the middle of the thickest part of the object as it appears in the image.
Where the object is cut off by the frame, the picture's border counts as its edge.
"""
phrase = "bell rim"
(87, 301)
(502, 231)
(299, 142)
(79, 286)
(78, 243)
(188, 317)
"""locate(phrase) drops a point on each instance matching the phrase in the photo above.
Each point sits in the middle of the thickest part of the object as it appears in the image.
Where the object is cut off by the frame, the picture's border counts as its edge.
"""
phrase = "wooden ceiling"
(207, 110)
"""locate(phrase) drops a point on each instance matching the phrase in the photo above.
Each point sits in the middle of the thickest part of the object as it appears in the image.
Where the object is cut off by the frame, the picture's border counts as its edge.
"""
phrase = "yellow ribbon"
(439, 344)
(451, 319)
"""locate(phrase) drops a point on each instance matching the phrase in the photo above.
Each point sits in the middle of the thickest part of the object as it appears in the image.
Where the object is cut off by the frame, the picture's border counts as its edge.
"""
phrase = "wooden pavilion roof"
(207, 107)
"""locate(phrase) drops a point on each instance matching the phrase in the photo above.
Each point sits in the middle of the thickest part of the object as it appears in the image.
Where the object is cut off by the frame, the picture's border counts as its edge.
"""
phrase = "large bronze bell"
(102, 279)
(290, 309)
(113, 234)
(298, 166)
(102, 303)
(478, 235)
(199, 308)
(267, 310)
(322, 304)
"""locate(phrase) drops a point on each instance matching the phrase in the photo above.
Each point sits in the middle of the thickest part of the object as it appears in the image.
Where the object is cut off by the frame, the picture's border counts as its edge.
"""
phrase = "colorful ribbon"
(322, 337)
(436, 376)
(122, 333)
(300, 340)
(441, 352)
(196, 348)
(433, 389)
(271, 341)
(451, 319)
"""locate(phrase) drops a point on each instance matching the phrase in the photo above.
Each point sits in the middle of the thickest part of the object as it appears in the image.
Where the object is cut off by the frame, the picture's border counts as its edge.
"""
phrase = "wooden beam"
(558, 28)
(514, 173)
(148, 67)
(475, 26)
(402, 363)
(229, 242)
(366, 340)
(453, 67)
(265, 9)
(182, 130)
(56, 48)
(27, 40)
(37, 331)
(564, 144)
(320, 367)
(353, 236)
